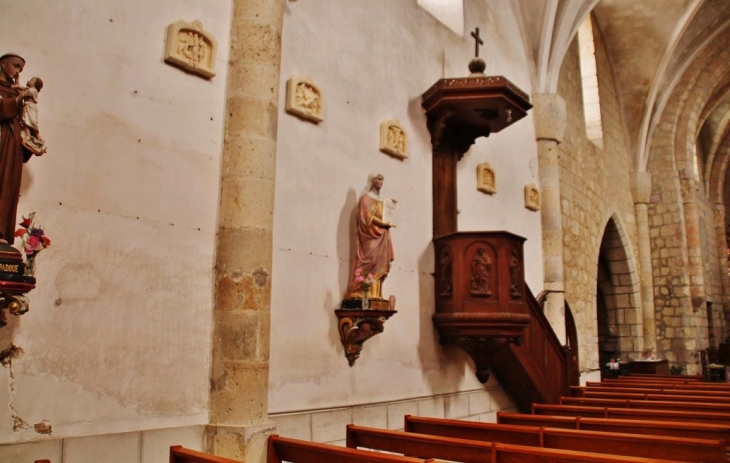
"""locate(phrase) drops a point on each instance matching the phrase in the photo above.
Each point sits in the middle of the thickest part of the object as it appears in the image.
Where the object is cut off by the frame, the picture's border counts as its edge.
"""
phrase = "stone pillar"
(696, 270)
(551, 122)
(641, 190)
(722, 271)
(239, 423)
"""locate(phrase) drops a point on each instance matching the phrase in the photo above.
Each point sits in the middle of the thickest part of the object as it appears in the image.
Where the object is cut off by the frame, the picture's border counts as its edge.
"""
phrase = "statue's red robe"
(12, 157)
(374, 248)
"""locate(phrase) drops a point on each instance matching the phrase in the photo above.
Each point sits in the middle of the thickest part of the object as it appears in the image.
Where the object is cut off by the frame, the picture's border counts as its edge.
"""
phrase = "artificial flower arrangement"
(34, 241)
(365, 284)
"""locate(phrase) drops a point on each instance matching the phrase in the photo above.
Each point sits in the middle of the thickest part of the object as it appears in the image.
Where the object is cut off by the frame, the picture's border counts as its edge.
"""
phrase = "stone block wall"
(595, 187)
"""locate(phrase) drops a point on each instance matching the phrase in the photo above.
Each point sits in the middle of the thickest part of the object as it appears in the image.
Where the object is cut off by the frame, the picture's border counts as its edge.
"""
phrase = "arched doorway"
(618, 299)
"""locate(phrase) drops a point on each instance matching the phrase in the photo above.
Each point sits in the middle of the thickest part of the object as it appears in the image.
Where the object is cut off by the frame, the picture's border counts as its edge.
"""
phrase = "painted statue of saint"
(374, 248)
(12, 151)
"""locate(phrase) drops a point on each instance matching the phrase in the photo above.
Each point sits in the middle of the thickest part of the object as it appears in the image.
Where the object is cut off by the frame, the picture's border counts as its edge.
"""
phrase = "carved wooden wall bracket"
(357, 326)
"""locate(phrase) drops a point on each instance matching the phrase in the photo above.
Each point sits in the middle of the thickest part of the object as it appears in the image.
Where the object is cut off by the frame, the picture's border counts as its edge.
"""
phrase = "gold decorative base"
(357, 326)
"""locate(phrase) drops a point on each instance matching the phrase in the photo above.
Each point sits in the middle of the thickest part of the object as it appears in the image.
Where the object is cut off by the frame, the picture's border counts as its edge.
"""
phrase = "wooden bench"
(471, 451)
(651, 404)
(720, 387)
(664, 377)
(685, 449)
(646, 427)
(653, 396)
(580, 391)
(281, 449)
(179, 454)
(631, 413)
(43, 461)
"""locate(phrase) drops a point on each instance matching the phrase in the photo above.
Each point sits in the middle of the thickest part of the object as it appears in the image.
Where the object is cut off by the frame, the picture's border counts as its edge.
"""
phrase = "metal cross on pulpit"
(478, 40)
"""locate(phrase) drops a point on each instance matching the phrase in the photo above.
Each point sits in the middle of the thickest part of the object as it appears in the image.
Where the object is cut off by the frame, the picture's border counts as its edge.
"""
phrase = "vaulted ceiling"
(652, 44)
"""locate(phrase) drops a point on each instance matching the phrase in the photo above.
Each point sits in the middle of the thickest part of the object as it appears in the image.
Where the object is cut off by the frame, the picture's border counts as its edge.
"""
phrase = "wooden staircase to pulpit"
(483, 304)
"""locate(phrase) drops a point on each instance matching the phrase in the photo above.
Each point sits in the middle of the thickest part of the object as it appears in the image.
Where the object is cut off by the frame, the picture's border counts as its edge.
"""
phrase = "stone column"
(551, 122)
(696, 270)
(722, 271)
(641, 190)
(239, 423)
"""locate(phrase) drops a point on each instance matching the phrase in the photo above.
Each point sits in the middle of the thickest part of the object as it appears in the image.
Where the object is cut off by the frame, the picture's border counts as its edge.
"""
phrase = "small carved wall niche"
(393, 139)
(486, 180)
(532, 197)
(191, 48)
(304, 98)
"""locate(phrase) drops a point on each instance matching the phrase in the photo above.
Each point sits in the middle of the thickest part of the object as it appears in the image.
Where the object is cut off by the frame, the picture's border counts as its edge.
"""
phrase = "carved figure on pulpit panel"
(446, 281)
(514, 269)
(374, 249)
(481, 268)
(30, 133)
(13, 153)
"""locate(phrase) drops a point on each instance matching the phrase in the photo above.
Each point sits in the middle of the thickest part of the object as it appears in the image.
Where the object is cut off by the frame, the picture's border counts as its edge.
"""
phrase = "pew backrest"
(631, 413)
(655, 396)
(677, 448)
(660, 428)
(179, 454)
(454, 449)
(281, 449)
(580, 391)
(712, 406)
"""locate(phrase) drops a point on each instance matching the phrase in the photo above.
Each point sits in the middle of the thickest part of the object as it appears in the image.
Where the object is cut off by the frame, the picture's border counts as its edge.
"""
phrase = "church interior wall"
(118, 335)
(373, 61)
(595, 186)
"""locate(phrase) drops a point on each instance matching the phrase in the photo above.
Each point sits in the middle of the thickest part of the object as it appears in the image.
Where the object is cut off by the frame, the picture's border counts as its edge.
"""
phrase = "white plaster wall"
(118, 335)
(373, 59)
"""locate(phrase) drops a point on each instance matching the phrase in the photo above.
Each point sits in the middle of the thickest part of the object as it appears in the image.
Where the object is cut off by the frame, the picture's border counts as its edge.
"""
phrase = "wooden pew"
(651, 404)
(281, 449)
(654, 396)
(579, 391)
(658, 428)
(685, 449)
(663, 377)
(643, 384)
(179, 454)
(631, 413)
(471, 451)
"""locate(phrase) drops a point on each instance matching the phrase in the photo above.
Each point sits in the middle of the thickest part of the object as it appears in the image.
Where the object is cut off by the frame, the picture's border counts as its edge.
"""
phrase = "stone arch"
(618, 283)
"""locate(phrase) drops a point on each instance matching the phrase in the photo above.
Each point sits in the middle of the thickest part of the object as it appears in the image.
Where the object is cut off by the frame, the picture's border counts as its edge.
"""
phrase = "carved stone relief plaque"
(486, 180)
(304, 98)
(393, 139)
(191, 48)
(532, 197)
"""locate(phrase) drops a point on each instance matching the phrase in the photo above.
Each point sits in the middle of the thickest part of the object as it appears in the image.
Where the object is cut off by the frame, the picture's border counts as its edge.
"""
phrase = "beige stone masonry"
(641, 190)
(239, 423)
(549, 114)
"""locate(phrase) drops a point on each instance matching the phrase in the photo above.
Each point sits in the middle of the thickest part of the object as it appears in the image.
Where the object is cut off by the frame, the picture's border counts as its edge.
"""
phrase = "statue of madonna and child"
(374, 249)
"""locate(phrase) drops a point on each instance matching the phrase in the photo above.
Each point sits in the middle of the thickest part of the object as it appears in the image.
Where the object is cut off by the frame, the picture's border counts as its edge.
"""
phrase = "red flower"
(20, 232)
(46, 241)
(26, 222)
